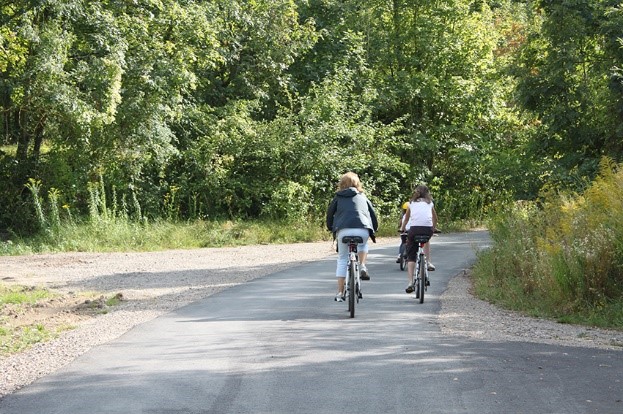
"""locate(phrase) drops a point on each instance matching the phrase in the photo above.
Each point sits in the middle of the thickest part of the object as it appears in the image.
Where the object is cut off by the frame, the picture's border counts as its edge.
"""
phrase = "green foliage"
(21, 295)
(120, 235)
(34, 186)
(290, 200)
(14, 339)
(114, 300)
(14, 299)
(568, 80)
(436, 67)
(217, 115)
(562, 258)
(237, 109)
(287, 167)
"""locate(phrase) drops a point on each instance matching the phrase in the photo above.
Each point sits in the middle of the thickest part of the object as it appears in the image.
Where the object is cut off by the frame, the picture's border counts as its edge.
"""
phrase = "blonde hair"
(421, 191)
(350, 179)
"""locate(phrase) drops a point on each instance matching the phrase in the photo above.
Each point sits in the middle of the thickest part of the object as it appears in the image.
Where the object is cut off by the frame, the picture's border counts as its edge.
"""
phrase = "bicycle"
(353, 285)
(420, 281)
(402, 250)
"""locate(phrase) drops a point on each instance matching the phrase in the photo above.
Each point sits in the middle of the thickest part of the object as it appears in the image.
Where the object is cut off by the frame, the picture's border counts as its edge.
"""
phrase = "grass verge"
(114, 235)
(30, 315)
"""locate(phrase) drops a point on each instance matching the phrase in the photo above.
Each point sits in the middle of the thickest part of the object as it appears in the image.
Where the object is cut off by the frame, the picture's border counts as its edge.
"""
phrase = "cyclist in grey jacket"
(350, 213)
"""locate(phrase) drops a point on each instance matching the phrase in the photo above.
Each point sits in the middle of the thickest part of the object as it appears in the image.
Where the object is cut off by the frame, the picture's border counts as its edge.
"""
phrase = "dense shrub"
(564, 254)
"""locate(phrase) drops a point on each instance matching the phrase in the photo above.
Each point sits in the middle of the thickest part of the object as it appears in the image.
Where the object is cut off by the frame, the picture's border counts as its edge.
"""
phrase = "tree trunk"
(36, 150)
(23, 137)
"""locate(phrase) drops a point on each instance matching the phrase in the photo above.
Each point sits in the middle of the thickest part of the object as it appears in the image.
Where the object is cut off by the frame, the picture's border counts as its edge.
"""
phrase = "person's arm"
(434, 219)
(405, 220)
(331, 213)
(375, 221)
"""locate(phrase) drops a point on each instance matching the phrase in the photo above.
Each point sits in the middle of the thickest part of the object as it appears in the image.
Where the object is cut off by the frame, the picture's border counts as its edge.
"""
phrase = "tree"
(567, 77)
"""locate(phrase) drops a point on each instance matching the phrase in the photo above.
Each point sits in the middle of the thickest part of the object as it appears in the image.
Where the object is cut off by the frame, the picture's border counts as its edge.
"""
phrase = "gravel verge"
(462, 314)
(158, 282)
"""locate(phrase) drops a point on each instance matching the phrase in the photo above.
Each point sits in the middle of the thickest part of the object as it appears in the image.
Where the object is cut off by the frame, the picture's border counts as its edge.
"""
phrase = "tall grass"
(561, 258)
(127, 235)
(114, 224)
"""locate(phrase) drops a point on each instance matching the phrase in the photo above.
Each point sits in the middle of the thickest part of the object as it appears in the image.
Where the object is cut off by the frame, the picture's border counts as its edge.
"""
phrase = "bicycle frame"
(353, 282)
(421, 269)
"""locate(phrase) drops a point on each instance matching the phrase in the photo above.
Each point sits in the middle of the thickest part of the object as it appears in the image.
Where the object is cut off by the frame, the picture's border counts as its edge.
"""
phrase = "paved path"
(279, 344)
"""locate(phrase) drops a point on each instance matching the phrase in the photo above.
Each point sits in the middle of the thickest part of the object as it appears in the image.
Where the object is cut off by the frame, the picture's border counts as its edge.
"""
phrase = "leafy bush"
(289, 201)
(564, 255)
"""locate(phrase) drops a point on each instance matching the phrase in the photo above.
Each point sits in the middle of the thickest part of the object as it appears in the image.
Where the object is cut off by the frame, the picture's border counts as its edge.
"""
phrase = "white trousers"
(342, 248)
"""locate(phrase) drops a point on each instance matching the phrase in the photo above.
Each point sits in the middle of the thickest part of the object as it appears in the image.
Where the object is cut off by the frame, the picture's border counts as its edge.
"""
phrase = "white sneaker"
(363, 274)
(339, 297)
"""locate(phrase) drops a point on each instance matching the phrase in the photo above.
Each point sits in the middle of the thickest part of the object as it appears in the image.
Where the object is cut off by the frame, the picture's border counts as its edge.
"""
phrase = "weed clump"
(561, 256)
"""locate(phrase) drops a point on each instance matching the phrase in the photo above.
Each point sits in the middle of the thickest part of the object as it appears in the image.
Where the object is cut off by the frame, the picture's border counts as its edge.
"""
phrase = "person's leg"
(427, 231)
(342, 255)
(362, 251)
(340, 285)
(412, 249)
(363, 256)
(410, 272)
(430, 265)
(342, 262)
(364, 275)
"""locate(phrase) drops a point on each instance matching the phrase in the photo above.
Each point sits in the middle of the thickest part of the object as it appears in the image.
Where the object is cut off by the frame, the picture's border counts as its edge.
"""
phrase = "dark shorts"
(412, 246)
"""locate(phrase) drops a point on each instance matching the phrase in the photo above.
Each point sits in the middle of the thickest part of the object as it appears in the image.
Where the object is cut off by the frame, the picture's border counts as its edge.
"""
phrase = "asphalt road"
(280, 344)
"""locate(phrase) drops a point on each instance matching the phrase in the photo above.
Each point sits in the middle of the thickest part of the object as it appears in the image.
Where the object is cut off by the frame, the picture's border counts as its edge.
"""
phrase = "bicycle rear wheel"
(352, 294)
(421, 277)
(403, 257)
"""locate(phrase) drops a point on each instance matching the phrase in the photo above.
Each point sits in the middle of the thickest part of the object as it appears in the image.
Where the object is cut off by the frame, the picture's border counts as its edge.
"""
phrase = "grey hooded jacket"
(351, 209)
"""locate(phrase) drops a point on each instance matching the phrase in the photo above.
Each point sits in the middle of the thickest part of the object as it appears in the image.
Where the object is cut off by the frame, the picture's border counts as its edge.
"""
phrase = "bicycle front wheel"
(352, 297)
(421, 277)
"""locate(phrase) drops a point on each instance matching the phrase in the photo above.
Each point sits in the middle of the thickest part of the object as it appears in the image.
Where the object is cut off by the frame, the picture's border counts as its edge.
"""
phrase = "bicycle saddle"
(352, 239)
(421, 238)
